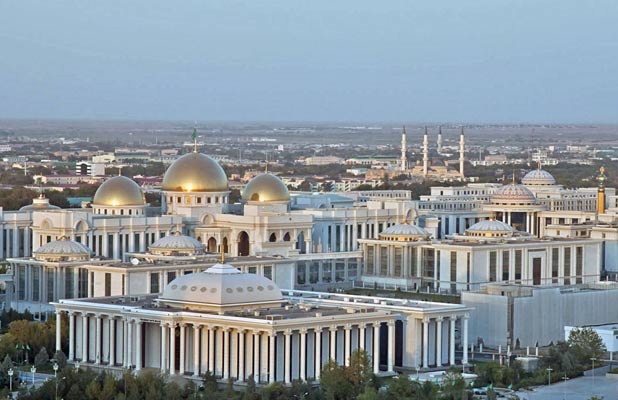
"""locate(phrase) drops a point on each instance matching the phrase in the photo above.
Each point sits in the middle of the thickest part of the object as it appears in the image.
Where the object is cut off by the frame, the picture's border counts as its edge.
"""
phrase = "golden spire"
(194, 136)
(222, 254)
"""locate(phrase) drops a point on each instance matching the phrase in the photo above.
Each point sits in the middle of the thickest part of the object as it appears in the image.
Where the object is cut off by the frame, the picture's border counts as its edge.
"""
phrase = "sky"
(474, 61)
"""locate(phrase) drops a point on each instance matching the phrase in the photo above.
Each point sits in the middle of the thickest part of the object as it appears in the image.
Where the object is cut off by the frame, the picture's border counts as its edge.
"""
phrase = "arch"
(81, 225)
(212, 245)
(224, 244)
(47, 224)
(300, 243)
(272, 238)
(207, 219)
(286, 237)
(243, 244)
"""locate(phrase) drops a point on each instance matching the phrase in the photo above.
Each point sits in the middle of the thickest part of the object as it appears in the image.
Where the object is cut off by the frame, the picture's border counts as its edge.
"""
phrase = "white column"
(226, 354)
(84, 337)
(256, 356)
(287, 357)
(241, 354)
(303, 354)
(58, 331)
(391, 346)
(465, 340)
(439, 342)
(172, 357)
(163, 347)
(425, 343)
(361, 337)
(332, 342)
(129, 343)
(271, 357)
(376, 347)
(452, 340)
(112, 338)
(347, 344)
(138, 345)
(212, 331)
(71, 336)
(318, 353)
(196, 349)
(98, 341)
(181, 369)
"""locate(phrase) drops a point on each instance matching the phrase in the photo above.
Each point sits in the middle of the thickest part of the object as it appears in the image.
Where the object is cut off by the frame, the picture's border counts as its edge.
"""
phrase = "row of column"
(438, 340)
(10, 241)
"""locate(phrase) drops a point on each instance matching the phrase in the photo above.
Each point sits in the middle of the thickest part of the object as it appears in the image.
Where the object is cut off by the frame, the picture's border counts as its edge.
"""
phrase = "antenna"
(194, 137)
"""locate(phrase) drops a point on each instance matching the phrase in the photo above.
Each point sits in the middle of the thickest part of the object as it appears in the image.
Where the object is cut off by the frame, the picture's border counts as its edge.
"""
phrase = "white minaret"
(462, 143)
(404, 147)
(425, 153)
(440, 140)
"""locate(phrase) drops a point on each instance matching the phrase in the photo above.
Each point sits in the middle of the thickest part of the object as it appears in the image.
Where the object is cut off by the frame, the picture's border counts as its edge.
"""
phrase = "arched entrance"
(243, 244)
(212, 245)
(224, 244)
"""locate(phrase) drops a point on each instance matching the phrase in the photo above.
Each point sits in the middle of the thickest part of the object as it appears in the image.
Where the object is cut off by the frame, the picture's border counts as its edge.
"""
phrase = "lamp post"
(56, 378)
(418, 368)
(565, 378)
(33, 370)
(76, 366)
(549, 370)
(593, 359)
(10, 372)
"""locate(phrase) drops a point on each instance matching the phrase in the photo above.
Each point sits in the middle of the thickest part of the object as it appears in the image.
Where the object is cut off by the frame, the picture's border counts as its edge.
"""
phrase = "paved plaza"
(576, 389)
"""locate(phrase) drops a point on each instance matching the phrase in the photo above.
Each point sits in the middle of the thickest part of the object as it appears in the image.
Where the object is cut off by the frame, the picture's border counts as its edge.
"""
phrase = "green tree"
(586, 344)
(42, 358)
(334, 382)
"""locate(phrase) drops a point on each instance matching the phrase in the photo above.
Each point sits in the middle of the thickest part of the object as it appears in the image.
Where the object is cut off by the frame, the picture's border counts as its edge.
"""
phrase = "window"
(171, 275)
(69, 278)
(108, 284)
(383, 260)
(453, 271)
(518, 258)
(268, 271)
(82, 283)
(579, 253)
(493, 256)
(370, 259)
(154, 282)
(555, 265)
(398, 261)
(506, 258)
(92, 284)
(567, 265)
(50, 286)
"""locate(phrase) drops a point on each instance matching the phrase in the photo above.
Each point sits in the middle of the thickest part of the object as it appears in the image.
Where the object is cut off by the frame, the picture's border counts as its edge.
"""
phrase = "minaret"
(425, 153)
(601, 191)
(440, 140)
(404, 147)
(462, 143)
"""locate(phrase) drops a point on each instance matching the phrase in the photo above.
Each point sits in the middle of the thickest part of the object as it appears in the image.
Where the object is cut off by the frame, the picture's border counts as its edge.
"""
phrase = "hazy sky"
(311, 60)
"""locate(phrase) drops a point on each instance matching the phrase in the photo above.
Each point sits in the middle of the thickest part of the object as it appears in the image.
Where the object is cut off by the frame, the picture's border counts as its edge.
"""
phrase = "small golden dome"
(195, 172)
(117, 192)
(266, 187)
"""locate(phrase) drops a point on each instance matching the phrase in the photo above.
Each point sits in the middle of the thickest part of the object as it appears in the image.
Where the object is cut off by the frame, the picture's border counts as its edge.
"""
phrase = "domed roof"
(513, 194)
(195, 172)
(41, 203)
(491, 227)
(119, 191)
(176, 242)
(538, 177)
(404, 231)
(266, 187)
(63, 247)
(221, 285)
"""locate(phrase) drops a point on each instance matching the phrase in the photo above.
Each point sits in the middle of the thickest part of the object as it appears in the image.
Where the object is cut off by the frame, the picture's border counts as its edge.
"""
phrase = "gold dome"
(195, 172)
(266, 187)
(117, 192)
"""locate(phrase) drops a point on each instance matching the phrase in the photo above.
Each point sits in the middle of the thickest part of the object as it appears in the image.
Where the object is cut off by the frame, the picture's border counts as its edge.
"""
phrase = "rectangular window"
(50, 287)
(69, 279)
(493, 265)
(518, 259)
(268, 271)
(567, 265)
(252, 270)
(36, 283)
(92, 284)
(108, 284)
(506, 259)
(154, 282)
(171, 275)
(555, 264)
(413, 262)
(428, 266)
(398, 261)
(383, 260)
(579, 266)
(453, 271)
(82, 283)
(468, 263)
(370, 260)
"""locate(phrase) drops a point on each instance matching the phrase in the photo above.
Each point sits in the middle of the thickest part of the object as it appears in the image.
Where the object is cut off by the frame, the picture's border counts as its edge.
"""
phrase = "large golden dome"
(195, 172)
(266, 187)
(117, 192)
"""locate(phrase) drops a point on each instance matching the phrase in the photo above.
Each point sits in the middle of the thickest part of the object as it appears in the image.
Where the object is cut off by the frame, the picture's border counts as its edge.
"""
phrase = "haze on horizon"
(488, 61)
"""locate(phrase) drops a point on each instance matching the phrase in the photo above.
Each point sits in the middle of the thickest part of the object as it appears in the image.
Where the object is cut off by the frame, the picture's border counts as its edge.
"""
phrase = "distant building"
(323, 160)
(85, 168)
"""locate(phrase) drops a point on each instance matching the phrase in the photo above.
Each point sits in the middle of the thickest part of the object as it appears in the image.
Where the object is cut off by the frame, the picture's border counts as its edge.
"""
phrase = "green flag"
(23, 347)
(28, 347)
(17, 346)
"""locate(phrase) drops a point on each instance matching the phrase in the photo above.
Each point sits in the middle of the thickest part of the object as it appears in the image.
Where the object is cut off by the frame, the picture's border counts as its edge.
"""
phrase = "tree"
(42, 358)
(61, 359)
(586, 344)
(334, 382)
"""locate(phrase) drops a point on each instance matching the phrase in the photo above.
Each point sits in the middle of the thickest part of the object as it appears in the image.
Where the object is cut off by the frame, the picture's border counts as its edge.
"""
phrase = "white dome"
(404, 231)
(538, 177)
(176, 243)
(513, 194)
(62, 248)
(38, 204)
(221, 285)
(490, 228)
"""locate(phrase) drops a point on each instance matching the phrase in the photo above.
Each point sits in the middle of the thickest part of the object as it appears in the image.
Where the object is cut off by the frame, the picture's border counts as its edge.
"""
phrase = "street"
(576, 389)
